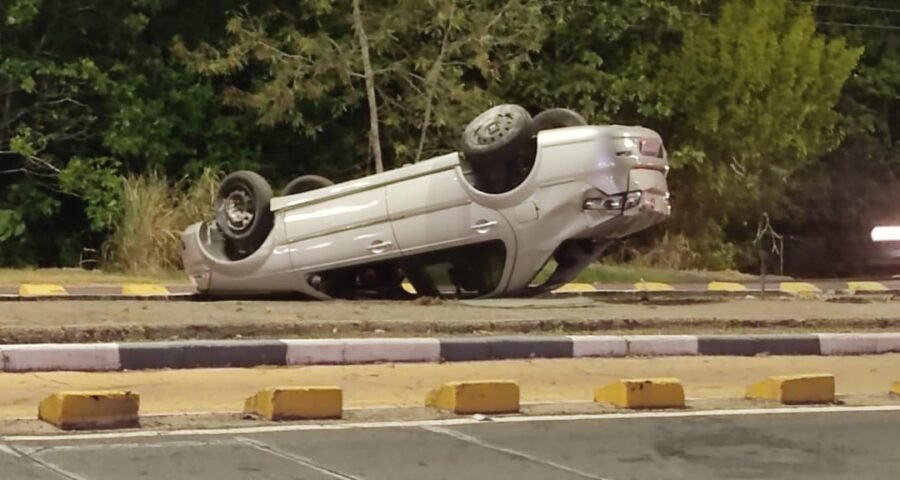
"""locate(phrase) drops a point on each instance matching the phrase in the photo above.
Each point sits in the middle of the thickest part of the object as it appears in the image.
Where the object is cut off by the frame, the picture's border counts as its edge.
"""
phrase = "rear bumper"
(193, 259)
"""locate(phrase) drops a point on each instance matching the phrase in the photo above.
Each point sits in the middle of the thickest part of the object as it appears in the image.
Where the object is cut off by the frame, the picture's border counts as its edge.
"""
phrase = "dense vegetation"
(784, 107)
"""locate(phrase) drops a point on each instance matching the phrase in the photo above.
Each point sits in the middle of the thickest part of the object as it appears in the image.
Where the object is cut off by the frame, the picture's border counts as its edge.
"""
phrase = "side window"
(465, 271)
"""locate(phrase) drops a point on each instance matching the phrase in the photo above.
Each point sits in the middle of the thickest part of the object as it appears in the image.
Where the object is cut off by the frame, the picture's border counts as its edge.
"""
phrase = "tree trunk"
(374, 136)
(430, 80)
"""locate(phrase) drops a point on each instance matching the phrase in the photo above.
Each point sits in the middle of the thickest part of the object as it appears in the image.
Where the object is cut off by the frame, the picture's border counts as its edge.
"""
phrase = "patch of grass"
(605, 273)
(626, 273)
(77, 276)
(146, 241)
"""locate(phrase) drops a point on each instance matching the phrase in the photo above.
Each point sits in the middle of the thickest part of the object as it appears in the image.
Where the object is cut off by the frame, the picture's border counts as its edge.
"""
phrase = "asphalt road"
(791, 446)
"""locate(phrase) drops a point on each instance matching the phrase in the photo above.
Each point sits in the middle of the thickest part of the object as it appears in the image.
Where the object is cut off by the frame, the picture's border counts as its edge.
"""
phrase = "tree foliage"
(766, 105)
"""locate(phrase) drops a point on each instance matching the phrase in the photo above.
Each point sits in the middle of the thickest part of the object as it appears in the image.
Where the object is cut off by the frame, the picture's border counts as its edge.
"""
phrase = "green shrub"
(154, 212)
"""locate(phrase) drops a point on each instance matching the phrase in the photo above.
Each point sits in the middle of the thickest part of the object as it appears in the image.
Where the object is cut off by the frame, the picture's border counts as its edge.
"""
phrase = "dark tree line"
(768, 106)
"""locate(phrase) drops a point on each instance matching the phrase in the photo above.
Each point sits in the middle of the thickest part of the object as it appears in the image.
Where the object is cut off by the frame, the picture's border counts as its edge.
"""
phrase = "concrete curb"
(251, 353)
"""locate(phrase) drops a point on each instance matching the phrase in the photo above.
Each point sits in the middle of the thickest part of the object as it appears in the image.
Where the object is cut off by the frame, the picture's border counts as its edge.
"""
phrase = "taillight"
(651, 147)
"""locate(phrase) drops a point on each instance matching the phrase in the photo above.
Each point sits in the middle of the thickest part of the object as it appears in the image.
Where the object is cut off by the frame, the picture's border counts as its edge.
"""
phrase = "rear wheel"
(558, 118)
(306, 183)
(242, 209)
(496, 135)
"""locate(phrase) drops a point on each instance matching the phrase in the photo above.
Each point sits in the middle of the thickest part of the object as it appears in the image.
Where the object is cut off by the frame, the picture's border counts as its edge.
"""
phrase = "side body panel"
(340, 232)
(435, 212)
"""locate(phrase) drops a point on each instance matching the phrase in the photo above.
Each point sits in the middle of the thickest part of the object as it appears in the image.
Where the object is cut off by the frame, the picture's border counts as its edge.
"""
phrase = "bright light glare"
(886, 234)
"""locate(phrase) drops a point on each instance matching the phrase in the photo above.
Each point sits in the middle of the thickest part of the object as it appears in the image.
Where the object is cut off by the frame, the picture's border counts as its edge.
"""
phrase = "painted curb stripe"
(788, 344)
(497, 348)
(60, 356)
(662, 345)
(598, 346)
(750, 345)
(251, 353)
(737, 345)
(361, 350)
(202, 354)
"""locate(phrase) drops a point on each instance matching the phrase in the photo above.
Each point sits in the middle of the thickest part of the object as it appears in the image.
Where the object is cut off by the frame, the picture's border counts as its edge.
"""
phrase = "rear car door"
(433, 214)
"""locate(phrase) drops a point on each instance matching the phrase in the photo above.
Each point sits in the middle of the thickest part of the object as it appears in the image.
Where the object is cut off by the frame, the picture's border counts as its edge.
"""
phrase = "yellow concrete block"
(799, 287)
(408, 287)
(794, 389)
(866, 287)
(576, 288)
(40, 290)
(91, 409)
(653, 287)
(292, 403)
(642, 393)
(144, 289)
(895, 389)
(488, 396)
(726, 287)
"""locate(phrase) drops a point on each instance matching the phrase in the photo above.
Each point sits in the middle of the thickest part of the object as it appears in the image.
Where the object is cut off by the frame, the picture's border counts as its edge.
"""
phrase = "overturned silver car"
(479, 222)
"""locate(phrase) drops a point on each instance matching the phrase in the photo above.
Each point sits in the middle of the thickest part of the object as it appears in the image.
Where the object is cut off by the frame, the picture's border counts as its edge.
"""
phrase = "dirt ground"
(88, 321)
(547, 386)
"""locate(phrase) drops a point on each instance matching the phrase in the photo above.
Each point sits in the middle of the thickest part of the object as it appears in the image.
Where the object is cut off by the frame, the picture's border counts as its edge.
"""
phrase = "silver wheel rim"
(494, 129)
(239, 210)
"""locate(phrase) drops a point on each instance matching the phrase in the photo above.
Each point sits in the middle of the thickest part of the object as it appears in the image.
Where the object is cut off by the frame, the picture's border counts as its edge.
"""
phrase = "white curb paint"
(848, 343)
(662, 345)
(598, 346)
(362, 350)
(888, 343)
(313, 351)
(60, 356)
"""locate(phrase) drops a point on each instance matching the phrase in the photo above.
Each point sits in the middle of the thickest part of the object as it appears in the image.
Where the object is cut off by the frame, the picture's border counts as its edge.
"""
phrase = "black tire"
(557, 118)
(497, 135)
(242, 208)
(305, 183)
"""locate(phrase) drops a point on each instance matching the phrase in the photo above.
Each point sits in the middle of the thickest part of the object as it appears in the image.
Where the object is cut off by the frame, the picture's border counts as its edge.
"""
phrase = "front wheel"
(242, 208)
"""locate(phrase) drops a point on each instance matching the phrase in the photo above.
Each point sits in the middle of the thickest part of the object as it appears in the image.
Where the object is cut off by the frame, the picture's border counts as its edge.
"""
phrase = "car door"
(344, 231)
(434, 213)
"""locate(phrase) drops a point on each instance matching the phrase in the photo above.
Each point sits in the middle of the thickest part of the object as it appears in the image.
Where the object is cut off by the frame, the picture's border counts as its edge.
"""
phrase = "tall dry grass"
(154, 213)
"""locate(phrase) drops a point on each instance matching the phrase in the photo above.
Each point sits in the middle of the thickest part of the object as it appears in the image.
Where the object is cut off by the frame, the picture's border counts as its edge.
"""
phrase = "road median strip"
(348, 351)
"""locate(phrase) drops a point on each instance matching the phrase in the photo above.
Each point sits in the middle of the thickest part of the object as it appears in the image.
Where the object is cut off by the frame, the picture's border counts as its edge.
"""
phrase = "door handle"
(483, 226)
(379, 246)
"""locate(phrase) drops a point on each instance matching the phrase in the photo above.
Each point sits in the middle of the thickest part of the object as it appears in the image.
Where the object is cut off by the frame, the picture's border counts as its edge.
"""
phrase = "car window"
(466, 271)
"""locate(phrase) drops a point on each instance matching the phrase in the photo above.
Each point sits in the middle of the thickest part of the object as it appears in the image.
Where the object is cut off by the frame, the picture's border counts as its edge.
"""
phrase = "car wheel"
(242, 208)
(557, 118)
(496, 135)
(305, 183)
